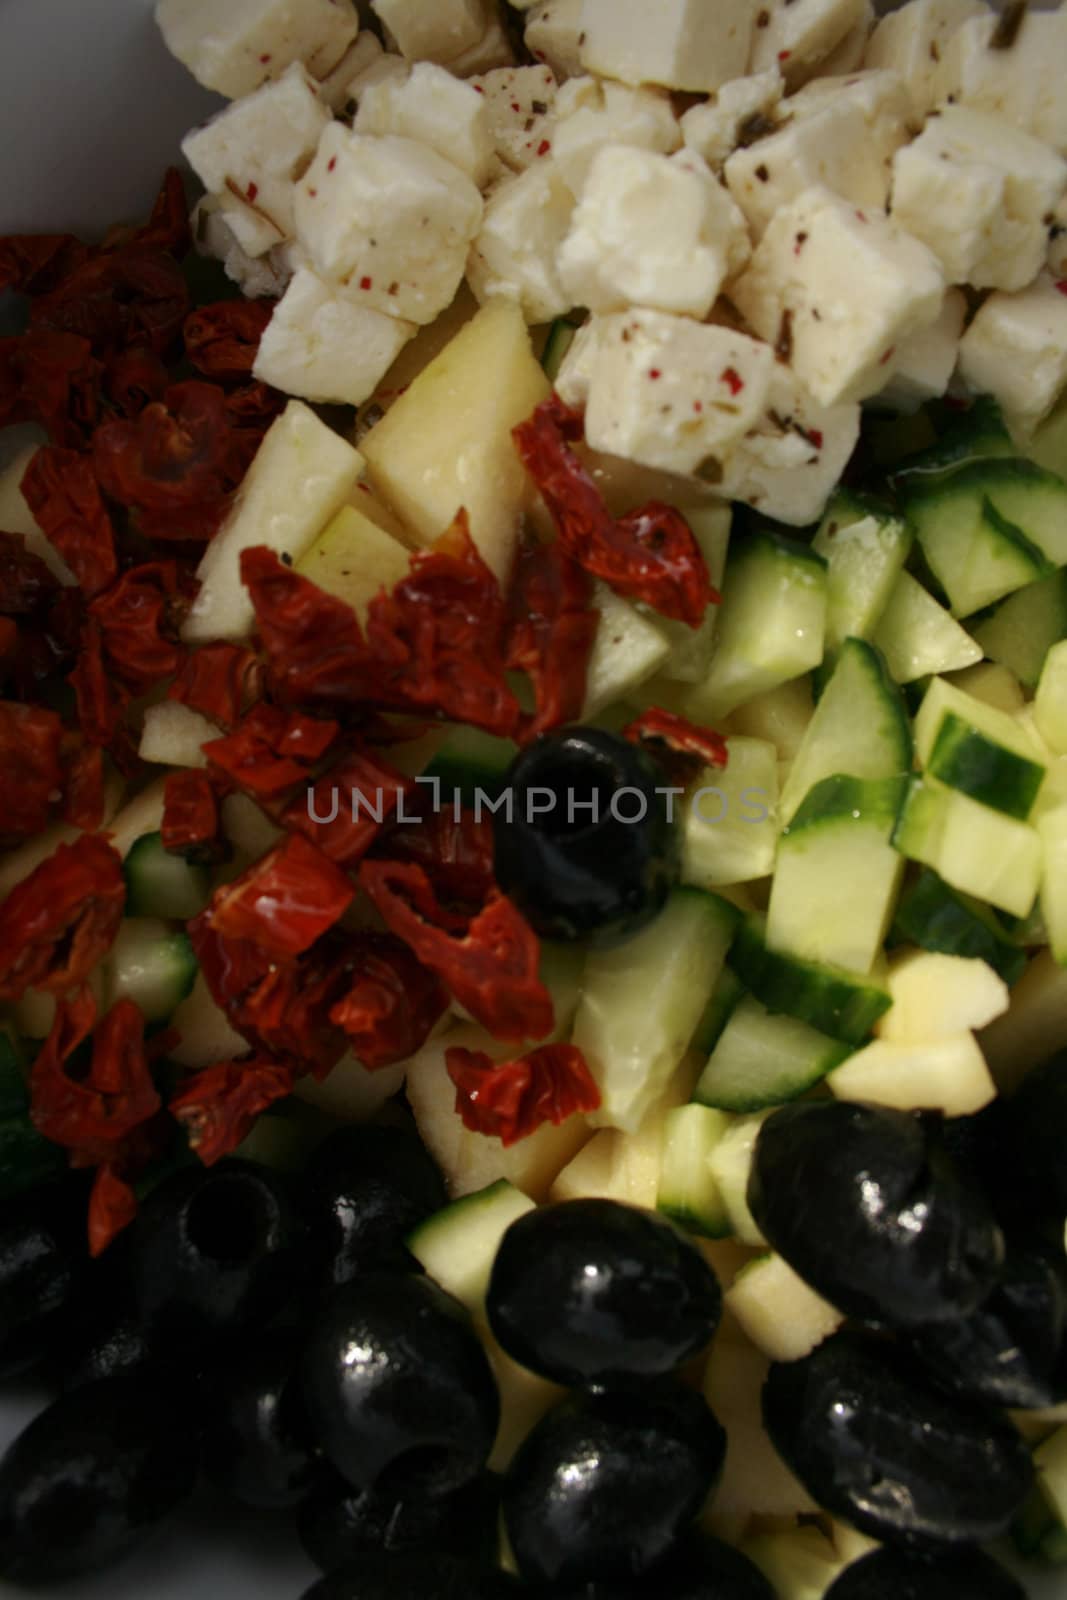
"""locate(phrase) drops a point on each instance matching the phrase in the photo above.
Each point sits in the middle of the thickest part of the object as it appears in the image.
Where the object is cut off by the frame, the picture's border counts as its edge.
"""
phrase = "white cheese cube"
(390, 218)
(436, 109)
(591, 115)
(799, 34)
(575, 372)
(519, 102)
(236, 47)
(651, 230)
(670, 393)
(1023, 84)
(1016, 350)
(492, 52)
(434, 30)
(367, 52)
(978, 192)
(1057, 242)
(259, 277)
(515, 252)
(829, 146)
(883, 98)
(323, 344)
(924, 363)
(255, 150)
(682, 44)
(913, 41)
(552, 34)
(850, 53)
(715, 128)
(836, 288)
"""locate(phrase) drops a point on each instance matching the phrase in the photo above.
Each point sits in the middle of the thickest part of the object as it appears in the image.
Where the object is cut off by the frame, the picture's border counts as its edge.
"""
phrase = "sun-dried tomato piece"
(33, 263)
(131, 296)
(649, 554)
(231, 967)
(271, 750)
(455, 850)
(393, 1003)
(509, 1100)
(112, 1207)
(345, 810)
(222, 340)
(176, 454)
(313, 641)
(553, 630)
(678, 743)
(254, 406)
(26, 583)
(57, 922)
(167, 229)
(191, 819)
(489, 960)
(103, 1105)
(218, 680)
(285, 901)
(100, 702)
(9, 646)
(138, 618)
(31, 776)
(219, 1105)
(134, 379)
(51, 378)
(83, 783)
(62, 493)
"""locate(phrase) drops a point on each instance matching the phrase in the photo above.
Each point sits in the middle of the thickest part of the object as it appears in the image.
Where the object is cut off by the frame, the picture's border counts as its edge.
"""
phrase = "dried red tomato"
(138, 618)
(222, 340)
(100, 703)
(254, 406)
(284, 902)
(62, 493)
(97, 1110)
(271, 750)
(231, 967)
(509, 1100)
(57, 922)
(51, 378)
(174, 455)
(552, 633)
(33, 263)
(168, 227)
(454, 849)
(650, 554)
(31, 777)
(345, 810)
(9, 647)
(112, 1207)
(117, 299)
(219, 1105)
(489, 961)
(678, 742)
(393, 1003)
(83, 783)
(190, 825)
(133, 379)
(314, 643)
(219, 681)
(26, 583)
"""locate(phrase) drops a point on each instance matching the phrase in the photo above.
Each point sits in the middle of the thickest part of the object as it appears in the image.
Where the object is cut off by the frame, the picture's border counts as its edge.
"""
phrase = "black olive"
(907, 1575)
(338, 1523)
(700, 1568)
(1012, 1350)
(258, 1444)
(877, 1442)
(1036, 1127)
(42, 1263)
(366, 1188)
(90, 1475)
(576, 872)
(603, 1485)
(591, 1291)
(214, 1252)
(868, 1207)
(407, 1575)
(398, 1386)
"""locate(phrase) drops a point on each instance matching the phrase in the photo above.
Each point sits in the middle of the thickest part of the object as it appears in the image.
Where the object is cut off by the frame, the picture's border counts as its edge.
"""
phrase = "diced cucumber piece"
(729, 819)
(968, 760)
(918, 637)
(1022, 629)
(1050, 701)
(772, 623)
(726, 994)
(835, 1002)
(204, 1029)
(892, 440)
(1036, 1533)
(992, 684)
(1052, 831)
(730, 1163)
(1050, 1497)
(778, 1311)
(1033, 1028)
(458, 1245)
(159, 884)
(864, 557)
(947, 1074)
(765, 1059)
(468, 760)
(642, 1001)
(150, 963)
(629, 647)
(558, 342)
(693, 648)
(626, 1167)
(799, 1565)
(860, 728)
(937, 917)
(972, 435)
(283, 1136)
(941, 698)
(781, 716)
(687, 1191)
(984, 853)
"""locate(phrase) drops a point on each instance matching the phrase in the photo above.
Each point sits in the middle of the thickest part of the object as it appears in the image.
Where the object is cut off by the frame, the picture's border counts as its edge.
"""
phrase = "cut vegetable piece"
(1033, 1028)
(765, 1059)
(859, 729)
(1050, 701)
(781, 716)
(467, 760)
(947, 1074)
(980, 851)
(937, 917)
(692, 649)
(717, 1012)
(629, 647)
(918, 637)
(966, 759)
(205, 1034)
(799, 1565)
(1052, 831)
(1000, 727)
(559, 339)
(150, 963)
(1025, 627)
(992, 684)
(349, 1092)
(778, 1311)
(159, 884)
(730, 1164)
(143, 814)
(621, 1166)
(973, 435)
(688, 1192)
(835, 1002)
(173, 734)
(524, 1399)
(457, 1246)
(355, 560)
(1044, 1528)
(642, 1002)
(729, 819)
(935, 996)
(864, 557)
(755, 1480)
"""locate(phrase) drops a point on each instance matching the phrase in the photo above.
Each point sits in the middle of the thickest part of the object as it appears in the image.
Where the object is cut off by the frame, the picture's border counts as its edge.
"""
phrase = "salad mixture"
(533, 913)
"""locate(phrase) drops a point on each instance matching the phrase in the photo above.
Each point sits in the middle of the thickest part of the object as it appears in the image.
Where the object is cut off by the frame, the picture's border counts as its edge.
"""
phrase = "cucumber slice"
(948, 1075)
(1046, 1516)
(692, 648)
(1033, 1028)
(864, 557)
(1050, 701)
(982, 852)
(765, 1059)
(837, 877)
(150, 963)
(1025, 626)
(558, 342)
(468, 760)
(159, 884)
(860, 728)
(978, 749)
(999, 726)
(1052, 831)
(729, 820)
(778, 1311)
(687, 1191)
(936, 917)
(457, 1246)
(728, 991)
(918, 637)
(781, 716)
(642, 1001)
(972, 435)
(629, 647)
(730, 1164)
(992, 684)
(835, 1002)
(799, 1565)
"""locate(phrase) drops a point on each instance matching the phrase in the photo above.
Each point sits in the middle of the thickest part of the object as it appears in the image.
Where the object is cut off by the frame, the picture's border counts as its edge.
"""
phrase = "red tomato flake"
(509, 1100)
(218, 1106)
(733, 380)
(344, 811)
(138, 618)
(251, 192)
(61, 491)
(83, 783)
(51, 378)
(515, 106)
(190, 826)
(331, 163)
(544, 147)
(56, 923)
(783, 55)
(698, 407)
(100, 703)
(393, 1004)
(31, 778)
(167, 229)
(654, 373)
(553, 630)
(816, 437)
(33, 263)
(477, 88)
(112, 1207)
(677, 741)
(130, 296)
(271, 750)
(219, 681)
(116, 1095)
(455, 852)
(264, 60)
(862, 215)
(366, 283)
(284, 901)
(888, 355)
(222, 340)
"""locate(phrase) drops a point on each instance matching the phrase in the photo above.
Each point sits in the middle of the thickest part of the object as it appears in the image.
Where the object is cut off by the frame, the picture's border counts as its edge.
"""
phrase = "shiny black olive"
(338, 1523)
(213, 1252)
(42, 1262)
(591, 1291)
(89, 1476)
(868, 1207)
(398, 1386)
(1036, 1126)
(407, 1575)
(365, 1189)
(605, 1483)
(700, 1568)
(588, 850)
(258, 1444)
(1012, 1350)
(907, 1575)
(877, 1442)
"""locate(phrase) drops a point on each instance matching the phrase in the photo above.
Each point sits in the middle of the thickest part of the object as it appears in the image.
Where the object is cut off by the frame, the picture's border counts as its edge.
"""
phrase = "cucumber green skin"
(975, 435)
(935, 916)
(458, 777)
(559, 340)
(780, 1094)
(184, 893)
(456, 1210)
(1020, 631)
(965, 759)
(834, 1002)
(695, 1222)
(717, 1012)
(470, 760)
(878, 800)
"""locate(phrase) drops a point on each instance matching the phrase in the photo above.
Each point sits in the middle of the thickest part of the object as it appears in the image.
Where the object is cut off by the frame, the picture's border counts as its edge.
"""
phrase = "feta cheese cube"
(1016, 350)
(492, 52)
(438, 31)
(1057, 241)
(670, 393)
(913, 41)
(259, 277)
(323, 345)
(651, 230)
(592, 114)
(1023, 84)
(681, 44)
(389, 217)
(236, 47)
(358, 58)
(515, 253)
(883, 98)
(436, 109)
(978, 191)
(573, 377)
(850, 53)
(924, 363)
(716, 127)
(836, 288)
(254, 151)
(799, 34)
(519, 103)
(552, 34)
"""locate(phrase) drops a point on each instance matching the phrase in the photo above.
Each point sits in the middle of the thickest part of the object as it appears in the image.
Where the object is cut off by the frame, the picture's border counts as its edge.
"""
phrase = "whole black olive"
(591, 1291)
(366, 1188)
(867, 1206)
(605, 1483)
(587, 850)
(408, 1575)
(398, 1386)
(877, 1442)
(214, 1252)
(907, 1575)
(337, 1523)
(1036, 1126)
(258, 1444)
(42, 1262)
(700, 1568)
(91, 1474)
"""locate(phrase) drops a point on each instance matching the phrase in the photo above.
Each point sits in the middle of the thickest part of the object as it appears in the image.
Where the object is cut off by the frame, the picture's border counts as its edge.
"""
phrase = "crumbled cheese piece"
(516, 251)
(978, 192)
(592, 114)
(253, 152)
(434, 30)
(836, 288)
(236, 47)
(670, 393)
(850, 53)
(913, 41)
(715, 128)
(492, 52)
(681, 44)
(436, 109)
(1016, 350)
(799, 34)
(259, 277)
(323, 345)
(367, 52)
(1057, 241)
(552, 34)
(1023, 83)
(883, 98)
(573, 377)
(924, 363)
(519, 103)
(651, 230)
(390, 218)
